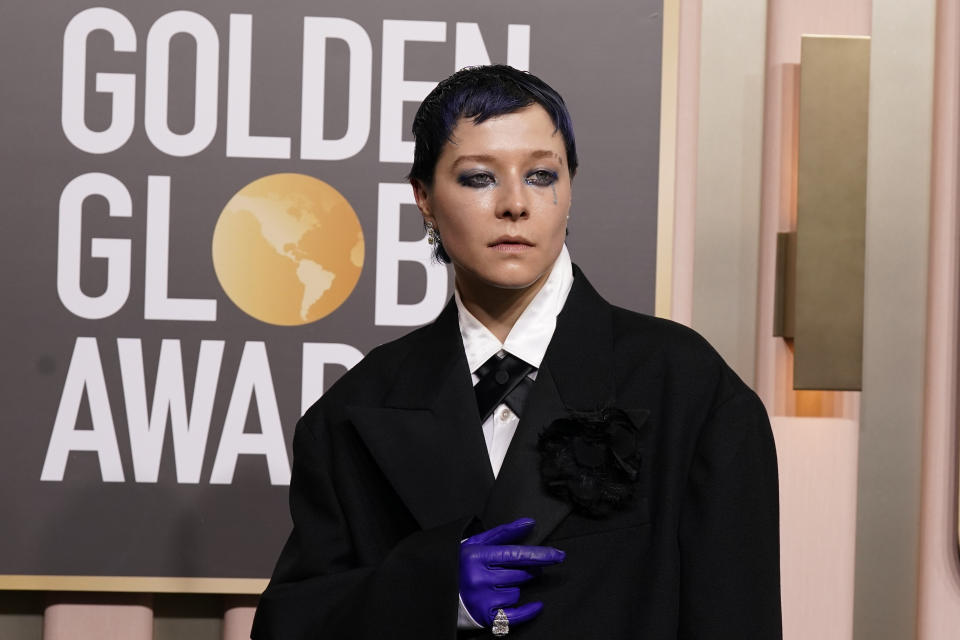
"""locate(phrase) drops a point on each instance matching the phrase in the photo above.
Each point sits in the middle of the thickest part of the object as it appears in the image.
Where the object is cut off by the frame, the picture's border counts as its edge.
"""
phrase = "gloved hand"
(491, 568)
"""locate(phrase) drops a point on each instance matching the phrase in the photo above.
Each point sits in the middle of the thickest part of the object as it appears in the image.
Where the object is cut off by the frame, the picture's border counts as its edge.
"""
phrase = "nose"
(513, 199)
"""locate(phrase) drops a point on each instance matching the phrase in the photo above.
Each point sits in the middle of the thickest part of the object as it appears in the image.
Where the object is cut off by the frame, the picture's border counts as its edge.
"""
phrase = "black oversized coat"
(390, 472)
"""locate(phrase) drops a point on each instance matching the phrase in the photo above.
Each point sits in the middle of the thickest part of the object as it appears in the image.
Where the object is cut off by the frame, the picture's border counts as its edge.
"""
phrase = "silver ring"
(501, 624)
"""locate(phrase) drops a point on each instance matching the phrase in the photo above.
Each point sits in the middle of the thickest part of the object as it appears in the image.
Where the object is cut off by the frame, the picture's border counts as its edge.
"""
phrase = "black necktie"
(503, 379)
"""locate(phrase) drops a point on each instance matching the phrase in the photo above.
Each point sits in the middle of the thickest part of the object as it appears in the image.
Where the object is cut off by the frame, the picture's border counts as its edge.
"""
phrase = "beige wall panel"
(895, 303)
(732, 42)
(831, 205)
(785, 297)
(21, 615)
(124, 584)
(188, 617)
(668, 158)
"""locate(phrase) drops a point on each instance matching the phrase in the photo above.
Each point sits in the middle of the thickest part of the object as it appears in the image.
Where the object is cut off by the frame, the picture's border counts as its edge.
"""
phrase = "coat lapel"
(427, 437)
(576, 375)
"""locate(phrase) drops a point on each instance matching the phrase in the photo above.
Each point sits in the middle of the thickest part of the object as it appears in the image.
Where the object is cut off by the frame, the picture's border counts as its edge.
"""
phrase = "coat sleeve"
(319, 590)
(729, 527)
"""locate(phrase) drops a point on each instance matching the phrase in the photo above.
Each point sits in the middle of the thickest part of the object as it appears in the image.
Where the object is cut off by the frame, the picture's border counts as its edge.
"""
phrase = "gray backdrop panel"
(603, 56)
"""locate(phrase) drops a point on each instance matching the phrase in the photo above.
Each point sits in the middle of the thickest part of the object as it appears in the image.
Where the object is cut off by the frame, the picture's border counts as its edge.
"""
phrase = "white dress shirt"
(527, 340)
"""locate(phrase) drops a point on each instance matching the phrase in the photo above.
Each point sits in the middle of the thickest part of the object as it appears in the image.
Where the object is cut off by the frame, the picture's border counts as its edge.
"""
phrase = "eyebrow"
(534, 155)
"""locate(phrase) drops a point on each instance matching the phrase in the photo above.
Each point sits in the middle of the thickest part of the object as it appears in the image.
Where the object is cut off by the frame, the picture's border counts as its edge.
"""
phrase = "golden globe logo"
(288, 249)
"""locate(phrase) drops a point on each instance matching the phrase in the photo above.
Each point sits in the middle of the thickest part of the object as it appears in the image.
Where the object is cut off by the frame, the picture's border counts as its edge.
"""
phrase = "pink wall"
(818, 466)
(685, 198)
(116, 617)
(817, 460)
(817, 455)
(939, 574)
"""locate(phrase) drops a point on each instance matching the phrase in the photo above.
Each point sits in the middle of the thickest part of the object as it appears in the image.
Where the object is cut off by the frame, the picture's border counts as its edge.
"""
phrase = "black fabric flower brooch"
(593, 460)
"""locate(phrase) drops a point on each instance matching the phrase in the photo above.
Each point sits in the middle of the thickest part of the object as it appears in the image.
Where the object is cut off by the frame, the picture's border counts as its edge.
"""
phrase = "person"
(535, 462)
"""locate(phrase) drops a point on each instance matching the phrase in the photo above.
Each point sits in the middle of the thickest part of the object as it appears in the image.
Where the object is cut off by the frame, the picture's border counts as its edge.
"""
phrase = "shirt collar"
(530, 336)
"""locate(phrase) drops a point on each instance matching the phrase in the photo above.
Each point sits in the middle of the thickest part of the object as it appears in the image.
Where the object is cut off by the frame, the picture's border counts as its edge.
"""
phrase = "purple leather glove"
(491, 568)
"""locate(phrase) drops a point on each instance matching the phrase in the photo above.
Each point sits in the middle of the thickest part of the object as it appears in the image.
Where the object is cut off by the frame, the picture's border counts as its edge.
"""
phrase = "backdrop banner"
(207, 223)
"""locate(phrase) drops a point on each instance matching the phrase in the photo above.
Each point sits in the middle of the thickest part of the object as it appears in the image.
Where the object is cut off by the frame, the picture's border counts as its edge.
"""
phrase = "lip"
(510, 243)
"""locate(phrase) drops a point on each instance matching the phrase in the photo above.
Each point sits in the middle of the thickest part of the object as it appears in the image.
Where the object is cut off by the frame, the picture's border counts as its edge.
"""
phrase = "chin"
(515, 281)
(514, 276)
(513, 286)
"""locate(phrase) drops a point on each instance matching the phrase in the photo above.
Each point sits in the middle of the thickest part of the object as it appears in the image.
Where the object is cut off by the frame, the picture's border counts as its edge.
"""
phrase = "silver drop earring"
(431, 233)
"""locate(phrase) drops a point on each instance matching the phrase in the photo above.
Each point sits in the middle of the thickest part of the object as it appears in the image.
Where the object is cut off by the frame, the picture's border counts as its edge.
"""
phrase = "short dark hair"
(481, 93)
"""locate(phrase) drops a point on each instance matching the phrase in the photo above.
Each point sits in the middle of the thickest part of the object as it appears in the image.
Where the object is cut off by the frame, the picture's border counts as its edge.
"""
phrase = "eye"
(476, 180)
(542, 178)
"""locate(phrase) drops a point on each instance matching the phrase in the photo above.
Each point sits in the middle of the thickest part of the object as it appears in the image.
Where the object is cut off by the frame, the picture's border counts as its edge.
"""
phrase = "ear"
(422, 196)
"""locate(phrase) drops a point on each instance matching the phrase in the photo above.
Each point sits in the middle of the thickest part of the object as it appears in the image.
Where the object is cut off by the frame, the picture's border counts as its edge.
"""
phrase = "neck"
(497, 309)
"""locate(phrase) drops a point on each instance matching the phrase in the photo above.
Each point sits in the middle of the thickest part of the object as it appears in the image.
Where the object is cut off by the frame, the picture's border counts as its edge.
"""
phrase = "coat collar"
(580, 356)
(427, 437)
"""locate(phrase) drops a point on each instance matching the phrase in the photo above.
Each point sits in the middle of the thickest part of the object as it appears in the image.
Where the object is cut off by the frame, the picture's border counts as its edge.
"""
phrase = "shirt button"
(504, 414)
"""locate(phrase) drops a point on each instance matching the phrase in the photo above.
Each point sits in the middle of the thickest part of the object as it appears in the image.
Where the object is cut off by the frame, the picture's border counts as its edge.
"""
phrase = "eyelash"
(543, 177)
(477, 180)
(538, 178)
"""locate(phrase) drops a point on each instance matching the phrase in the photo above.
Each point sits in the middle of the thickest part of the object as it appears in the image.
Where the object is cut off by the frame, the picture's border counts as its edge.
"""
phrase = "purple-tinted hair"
(481, 93)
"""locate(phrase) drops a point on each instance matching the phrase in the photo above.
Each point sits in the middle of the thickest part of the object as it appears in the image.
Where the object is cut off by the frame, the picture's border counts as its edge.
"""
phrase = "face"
(500, 199)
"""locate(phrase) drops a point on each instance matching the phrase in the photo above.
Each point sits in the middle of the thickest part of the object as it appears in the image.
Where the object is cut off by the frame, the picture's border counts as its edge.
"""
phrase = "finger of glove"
(483, 577)
(524, 613)
(520, 556)
(506, 577)
(504, 533)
